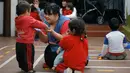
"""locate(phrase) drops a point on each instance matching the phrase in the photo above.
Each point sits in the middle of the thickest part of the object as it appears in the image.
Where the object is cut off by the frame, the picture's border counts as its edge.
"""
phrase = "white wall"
(1, 17)
(13, 15)
(127, 7)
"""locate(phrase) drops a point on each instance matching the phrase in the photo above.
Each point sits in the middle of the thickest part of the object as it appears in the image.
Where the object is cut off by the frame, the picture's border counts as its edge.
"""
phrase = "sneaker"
(45, 65)
(22, 71)
(76, 71)
(68, 70)
(31, 71)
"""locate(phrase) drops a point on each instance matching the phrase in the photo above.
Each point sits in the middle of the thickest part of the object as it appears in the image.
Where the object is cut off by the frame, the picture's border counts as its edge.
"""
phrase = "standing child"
(25, 25)
(114, 43)
(75, 47)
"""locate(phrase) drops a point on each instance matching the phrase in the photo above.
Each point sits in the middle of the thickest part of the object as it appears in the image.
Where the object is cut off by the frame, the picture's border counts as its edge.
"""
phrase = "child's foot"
(22, 71)
(31, 71)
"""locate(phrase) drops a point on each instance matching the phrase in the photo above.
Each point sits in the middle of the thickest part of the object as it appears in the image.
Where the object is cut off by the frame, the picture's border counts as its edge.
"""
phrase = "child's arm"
(37, 24)
(58, 50)
(40, 12)
(125, 42)
(104, 48)
(43, 37)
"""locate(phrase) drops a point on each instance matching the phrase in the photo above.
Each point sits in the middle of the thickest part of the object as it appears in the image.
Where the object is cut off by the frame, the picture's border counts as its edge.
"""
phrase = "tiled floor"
(8, 63)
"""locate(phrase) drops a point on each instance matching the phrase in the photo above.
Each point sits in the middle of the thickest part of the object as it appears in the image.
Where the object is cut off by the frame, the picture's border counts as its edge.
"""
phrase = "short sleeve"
(64, 27)
(106, 41)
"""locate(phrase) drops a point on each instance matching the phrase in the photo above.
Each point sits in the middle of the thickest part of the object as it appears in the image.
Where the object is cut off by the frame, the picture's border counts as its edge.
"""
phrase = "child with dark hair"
(75, 53)
(114, 43)
(72, 10)
(25, 27)
(34, 13)
(69, 9)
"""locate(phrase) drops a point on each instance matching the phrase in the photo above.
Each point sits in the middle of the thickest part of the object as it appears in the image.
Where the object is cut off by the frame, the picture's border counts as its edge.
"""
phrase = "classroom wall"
(1, 17)
(13, 15)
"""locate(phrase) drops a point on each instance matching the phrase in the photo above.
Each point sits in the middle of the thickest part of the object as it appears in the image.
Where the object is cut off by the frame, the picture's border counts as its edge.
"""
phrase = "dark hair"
(22, 7)
(70, 5)
(43, 4)
(77, 26)
(33, 8)
(52, 8)
(114, 24)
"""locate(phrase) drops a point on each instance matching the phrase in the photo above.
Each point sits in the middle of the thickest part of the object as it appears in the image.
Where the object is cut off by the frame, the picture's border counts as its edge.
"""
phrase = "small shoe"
(31, 71)
(22, 71)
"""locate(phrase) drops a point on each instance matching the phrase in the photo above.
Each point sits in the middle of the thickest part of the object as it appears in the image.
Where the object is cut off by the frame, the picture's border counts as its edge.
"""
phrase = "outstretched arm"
(105, 47)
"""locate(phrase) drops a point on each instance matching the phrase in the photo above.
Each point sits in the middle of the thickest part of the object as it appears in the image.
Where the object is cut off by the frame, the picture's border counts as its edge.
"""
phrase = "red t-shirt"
(25, 28)
(76, 51)
(64, 27)
(67, 12)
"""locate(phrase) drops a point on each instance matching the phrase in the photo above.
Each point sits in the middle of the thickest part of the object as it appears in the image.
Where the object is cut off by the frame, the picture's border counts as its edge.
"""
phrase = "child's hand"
(49, 30)
(99, 57)
(38, 30)
(53, 68)
(58, 50)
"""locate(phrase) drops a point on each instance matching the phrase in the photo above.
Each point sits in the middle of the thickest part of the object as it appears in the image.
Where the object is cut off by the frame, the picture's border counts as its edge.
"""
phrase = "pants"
(50, 56)
(59, 58)
(115, 57)
(25, 56)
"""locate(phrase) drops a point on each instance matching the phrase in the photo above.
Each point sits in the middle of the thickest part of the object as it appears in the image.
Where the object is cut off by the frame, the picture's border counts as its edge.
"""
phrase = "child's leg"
(107, 56)
(122, 56)
(61, 68)
(59, 58)
(19, 54)
(25, 56)
(114, 57)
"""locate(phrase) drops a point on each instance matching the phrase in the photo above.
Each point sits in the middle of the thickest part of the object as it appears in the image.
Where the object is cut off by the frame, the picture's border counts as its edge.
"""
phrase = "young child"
(34, 14)
(114, 43)
(25, 27)
(75, 47)
(69, 9)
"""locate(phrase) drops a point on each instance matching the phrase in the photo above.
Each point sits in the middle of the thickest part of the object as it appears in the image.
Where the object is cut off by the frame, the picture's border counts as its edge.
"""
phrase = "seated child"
(75, 48)
(114, 43)
(69, 9)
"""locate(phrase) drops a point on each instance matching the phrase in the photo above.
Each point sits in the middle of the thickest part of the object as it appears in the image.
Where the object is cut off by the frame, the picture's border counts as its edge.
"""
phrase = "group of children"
(73, 48)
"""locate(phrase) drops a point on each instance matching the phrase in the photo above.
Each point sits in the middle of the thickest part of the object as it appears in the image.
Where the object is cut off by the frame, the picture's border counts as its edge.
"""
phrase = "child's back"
(25, 28)
(75, 46)
(114, 42)
(115, 39)
(76, 51)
